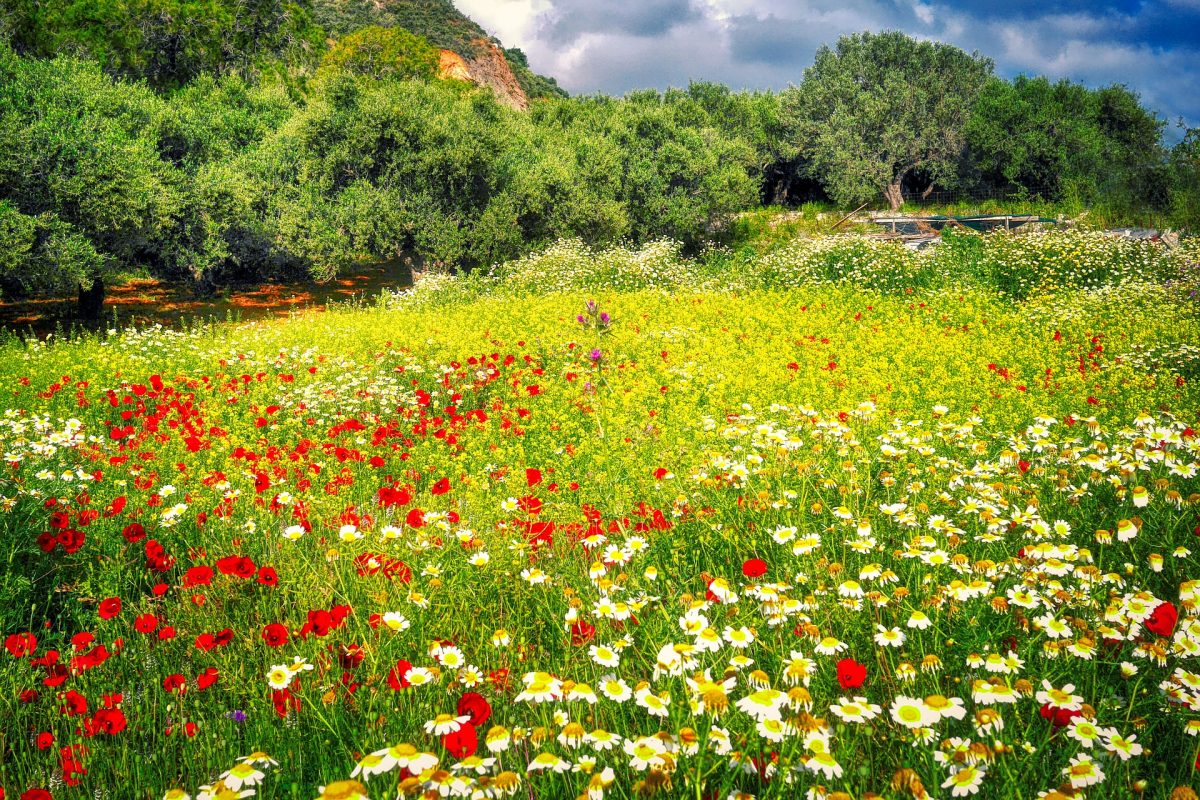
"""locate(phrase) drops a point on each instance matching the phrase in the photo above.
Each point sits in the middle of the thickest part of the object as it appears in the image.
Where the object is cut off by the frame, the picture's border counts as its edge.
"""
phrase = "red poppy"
(268, 577)
(389, 496)
(71, 539)
(21, 644)
(207, 678)
(239, 566)
(275, 635)
(462, 742)
(71, 765)
(351, 655)
(754, 568)
(189, 729)
(533, 476)
(198, 576)
(284, 700)
(75, 704)
(320, 622)
(108, 720)
(1061, 717)
(850, 673)
(1162, 620)
(441, 487)
(146, 623)
(175, 683)
(475, 706)
(530, 505)
(110, 607)
(582, 632)
(541, 532)
(116, 507)
(92, 658)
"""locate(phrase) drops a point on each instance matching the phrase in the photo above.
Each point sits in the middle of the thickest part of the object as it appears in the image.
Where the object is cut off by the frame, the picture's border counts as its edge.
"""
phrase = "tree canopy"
(383, 53)
(877, 107)
(166, 42)
(1051, 140)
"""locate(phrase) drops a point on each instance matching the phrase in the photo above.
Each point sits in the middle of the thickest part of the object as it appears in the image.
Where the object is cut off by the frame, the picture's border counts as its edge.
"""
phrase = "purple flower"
(595, 355)
(591, 306)
(605, 318)
(581, 320)
(237, 715)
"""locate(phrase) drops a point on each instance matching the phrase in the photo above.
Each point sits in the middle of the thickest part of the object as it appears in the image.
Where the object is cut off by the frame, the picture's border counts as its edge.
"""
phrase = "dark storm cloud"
(569, 19)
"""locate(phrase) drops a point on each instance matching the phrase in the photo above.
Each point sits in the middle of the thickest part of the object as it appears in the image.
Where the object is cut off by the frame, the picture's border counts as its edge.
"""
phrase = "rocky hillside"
(488, 67)
(468, 52)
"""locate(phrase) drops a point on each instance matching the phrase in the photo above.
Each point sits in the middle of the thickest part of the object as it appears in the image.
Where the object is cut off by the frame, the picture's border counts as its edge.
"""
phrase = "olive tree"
(878, 107)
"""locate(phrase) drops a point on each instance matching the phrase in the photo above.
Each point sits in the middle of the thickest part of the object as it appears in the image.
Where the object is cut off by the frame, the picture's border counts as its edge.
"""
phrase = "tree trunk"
(779, 191)
(928, 191)
(91, 301)
(894, 194)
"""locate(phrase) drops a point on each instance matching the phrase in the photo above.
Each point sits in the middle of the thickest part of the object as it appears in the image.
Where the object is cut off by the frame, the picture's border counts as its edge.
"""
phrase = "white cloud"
(511, 21)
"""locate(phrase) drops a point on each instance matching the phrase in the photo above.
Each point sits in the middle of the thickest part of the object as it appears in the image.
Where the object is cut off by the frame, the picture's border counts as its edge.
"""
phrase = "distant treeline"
(234, 141)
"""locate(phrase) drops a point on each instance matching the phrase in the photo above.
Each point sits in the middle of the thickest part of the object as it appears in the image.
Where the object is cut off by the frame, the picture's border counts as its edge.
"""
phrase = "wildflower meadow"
(833, 520)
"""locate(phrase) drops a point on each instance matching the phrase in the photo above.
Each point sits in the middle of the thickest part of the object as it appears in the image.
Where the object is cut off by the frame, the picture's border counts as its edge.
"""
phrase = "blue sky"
(614, 46)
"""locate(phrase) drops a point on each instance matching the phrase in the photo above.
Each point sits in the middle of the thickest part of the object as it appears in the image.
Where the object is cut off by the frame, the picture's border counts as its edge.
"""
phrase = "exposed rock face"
(488, 67)
(452, 65)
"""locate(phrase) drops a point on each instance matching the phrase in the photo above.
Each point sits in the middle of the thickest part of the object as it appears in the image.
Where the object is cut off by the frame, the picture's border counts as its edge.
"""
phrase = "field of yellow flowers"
(838, 520)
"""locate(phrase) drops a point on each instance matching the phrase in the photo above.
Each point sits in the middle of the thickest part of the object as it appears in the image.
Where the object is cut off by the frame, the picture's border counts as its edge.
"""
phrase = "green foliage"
(100, 176)
(535, 86)
(167, 42)
(1090, 268)
(1185, 181)
(45, 253)
(372, 170)
(678, 176)
(383, 53)
(881, 106)
(1063, 141)
(77, 154)
(435, 20)
(420, 156)
(212, 120)
(755, 118)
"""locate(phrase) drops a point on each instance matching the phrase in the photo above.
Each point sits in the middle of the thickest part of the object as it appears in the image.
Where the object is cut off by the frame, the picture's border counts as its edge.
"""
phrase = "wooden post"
(838, 224)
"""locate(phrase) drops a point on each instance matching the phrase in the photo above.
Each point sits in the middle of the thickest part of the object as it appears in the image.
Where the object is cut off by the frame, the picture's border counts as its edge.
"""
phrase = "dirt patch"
(143, 302)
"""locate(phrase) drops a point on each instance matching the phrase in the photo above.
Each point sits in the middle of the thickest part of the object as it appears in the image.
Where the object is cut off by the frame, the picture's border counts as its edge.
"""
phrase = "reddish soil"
(144, 302)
